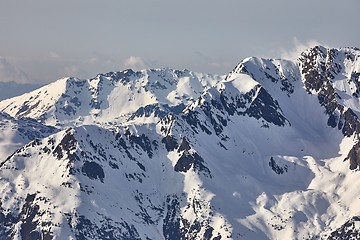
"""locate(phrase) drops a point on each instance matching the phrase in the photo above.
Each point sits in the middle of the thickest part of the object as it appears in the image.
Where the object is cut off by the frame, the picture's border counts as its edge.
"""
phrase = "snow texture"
(270, 151)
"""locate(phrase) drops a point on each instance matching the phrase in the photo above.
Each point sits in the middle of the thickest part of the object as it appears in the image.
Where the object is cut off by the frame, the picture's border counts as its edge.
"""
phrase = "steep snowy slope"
(112, 96)
(140, 200)
(334, 76)
(15, 133)
(257, 155)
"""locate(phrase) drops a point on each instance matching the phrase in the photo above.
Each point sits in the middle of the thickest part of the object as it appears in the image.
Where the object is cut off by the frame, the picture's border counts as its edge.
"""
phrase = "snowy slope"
(258, 154)
(15, 133)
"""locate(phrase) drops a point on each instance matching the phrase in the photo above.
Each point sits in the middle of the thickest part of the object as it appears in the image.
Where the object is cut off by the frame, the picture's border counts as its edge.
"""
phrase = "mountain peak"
(109, 95)
(174, 154)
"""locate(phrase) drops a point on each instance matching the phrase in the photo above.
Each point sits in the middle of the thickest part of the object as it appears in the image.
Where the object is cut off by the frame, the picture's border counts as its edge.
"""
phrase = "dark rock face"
(185, 162)
(177, 227)
(32, 130)
(142, 141)
(239, 103)
(217, 121)
(354, 156)
(351, 123)
(276, 168)
(84, 229)
(170, 143)
(314, 74)
(171, 227)
(28, 226)
(257, 103)
(264, 106)
(190, 159)
(67, 144)
(345, 120)
(123, 76)
(27, 215)
(347, 231)
(157, 110)
(68, 110)
(93, 170)
(319, 69)
(191, 117)
(184, 145)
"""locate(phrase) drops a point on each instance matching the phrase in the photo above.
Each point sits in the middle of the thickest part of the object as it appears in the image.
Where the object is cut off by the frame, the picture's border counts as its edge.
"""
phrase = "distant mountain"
(119, 96)
(269, 151)
(13, 89)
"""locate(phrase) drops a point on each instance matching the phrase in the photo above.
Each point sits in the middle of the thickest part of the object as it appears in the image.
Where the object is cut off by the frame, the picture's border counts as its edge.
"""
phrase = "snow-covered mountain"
(115, 96)
(269, 151)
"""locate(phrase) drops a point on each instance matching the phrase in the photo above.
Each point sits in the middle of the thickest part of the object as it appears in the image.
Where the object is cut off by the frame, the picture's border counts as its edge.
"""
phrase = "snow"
(264, 181)
(103, 99)
(240, 82)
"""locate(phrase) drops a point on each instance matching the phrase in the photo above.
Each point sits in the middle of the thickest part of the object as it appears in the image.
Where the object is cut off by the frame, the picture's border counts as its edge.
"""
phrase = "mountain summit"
(114, 96)
(269, 151)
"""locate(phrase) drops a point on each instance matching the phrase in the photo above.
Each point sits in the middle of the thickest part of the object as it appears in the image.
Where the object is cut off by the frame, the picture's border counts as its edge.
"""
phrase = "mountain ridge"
(257, 154)
(153, 86)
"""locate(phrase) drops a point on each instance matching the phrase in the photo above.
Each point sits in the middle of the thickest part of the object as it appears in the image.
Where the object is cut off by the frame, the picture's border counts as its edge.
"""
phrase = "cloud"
(135, 63)
(77, 71)
(298, 48)
(54, 56)
(214, 65)
(72, 70)
(222, 65)
(203, 56)
(9, 73)
(92, 60)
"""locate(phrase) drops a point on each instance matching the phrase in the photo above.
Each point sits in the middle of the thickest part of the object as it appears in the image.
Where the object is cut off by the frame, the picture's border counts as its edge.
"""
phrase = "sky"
(42, 40)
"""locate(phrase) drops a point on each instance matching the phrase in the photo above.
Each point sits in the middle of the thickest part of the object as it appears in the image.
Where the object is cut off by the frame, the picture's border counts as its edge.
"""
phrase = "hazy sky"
(42, 40)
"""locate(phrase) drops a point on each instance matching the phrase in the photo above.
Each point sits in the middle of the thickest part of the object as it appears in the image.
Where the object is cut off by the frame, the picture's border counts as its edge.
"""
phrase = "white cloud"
(9, 73)
(298, 48)
(135, 63)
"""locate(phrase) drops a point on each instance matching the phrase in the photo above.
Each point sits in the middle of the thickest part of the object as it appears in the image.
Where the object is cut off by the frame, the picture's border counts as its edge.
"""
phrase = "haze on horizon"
(42, 41)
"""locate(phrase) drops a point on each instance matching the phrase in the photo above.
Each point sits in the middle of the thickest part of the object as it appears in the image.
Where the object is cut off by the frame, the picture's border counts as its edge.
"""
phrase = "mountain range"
(269, 151)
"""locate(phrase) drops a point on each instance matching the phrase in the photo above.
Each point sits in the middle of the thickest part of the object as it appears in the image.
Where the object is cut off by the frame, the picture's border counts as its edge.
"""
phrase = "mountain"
(270, 151)
(14, 133)
(12, 89)
(114, 96)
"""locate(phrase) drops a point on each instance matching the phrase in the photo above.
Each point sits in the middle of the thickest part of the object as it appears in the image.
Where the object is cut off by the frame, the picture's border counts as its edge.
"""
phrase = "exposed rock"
(190, 159)
(170, 143)
(93, 170)
(276, 168)
(264, 106)
(349, 230)
(184, 145)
